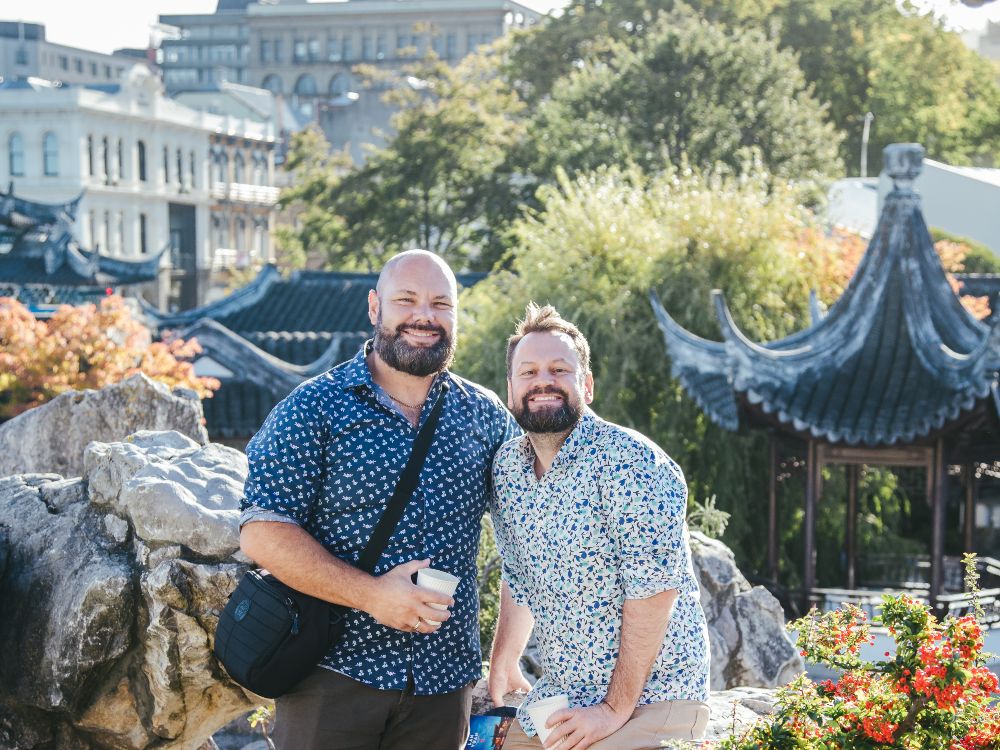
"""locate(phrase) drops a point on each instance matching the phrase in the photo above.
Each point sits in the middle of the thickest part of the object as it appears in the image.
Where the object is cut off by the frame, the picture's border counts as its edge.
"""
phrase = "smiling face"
(546, 389)
(414, 314)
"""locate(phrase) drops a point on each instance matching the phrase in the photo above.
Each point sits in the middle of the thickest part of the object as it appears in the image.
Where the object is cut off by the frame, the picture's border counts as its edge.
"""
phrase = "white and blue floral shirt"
(605, 523)
(327, 459)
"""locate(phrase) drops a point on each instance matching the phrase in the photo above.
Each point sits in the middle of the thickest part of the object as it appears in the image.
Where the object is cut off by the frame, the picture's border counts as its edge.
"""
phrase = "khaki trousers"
(648, 726)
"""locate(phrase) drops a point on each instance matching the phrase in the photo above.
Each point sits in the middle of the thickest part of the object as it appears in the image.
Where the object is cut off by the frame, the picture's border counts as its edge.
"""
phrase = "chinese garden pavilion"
(897, 373)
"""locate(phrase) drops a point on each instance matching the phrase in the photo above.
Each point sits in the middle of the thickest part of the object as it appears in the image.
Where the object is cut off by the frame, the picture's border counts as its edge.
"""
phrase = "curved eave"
(961, 405)
(253, 363)
(132, 271)
(701, 366)
(238, 300)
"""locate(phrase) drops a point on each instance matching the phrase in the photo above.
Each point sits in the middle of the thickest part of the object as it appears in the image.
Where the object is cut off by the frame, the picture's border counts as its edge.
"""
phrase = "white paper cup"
(541, 711)
(437, 580)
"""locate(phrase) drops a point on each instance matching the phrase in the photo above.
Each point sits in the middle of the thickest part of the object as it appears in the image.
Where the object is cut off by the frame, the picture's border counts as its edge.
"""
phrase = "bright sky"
(104, 25)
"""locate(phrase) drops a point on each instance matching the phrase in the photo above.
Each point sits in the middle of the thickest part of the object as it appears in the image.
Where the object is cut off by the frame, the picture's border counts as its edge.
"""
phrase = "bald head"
(418, 264)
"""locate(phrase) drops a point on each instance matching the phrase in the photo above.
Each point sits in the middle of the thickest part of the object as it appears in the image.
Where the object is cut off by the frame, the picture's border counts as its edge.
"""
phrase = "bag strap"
(405, 486)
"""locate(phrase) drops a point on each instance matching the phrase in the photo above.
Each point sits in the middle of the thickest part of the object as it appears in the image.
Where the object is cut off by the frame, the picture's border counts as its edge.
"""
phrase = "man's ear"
(588, 388)
(373, 302)
(510, 394)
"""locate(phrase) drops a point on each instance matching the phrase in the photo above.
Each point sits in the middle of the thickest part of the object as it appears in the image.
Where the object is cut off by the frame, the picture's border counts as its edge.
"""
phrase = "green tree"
(438, 184)
(688, 88)
(920, 81)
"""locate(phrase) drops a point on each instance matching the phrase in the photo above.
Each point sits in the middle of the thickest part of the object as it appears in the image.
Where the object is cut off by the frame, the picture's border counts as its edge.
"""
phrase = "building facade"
(306, 52)
(153, 174)
(24, 52)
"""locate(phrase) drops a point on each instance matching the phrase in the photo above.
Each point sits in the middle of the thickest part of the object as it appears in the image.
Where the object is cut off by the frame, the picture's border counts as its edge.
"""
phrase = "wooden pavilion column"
(937, 484)
(812, 496)
(772, 509)
(851, 541)
(971, 492)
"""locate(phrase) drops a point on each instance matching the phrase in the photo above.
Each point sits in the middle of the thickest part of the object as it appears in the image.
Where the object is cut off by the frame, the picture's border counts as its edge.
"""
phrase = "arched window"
(50, 155)
(340, 84)
(106, 158)
(15, 153)
(239, 167)
(273, 84)
(306, 85)
(222, 167)
(142, 161)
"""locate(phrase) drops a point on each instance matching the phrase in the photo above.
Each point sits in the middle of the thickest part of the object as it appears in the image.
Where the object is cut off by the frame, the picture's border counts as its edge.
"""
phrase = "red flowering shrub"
(936, 692)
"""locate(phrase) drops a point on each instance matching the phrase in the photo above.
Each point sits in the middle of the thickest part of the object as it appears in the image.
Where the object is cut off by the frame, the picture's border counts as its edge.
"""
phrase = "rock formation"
(51, 437)
(111, 589)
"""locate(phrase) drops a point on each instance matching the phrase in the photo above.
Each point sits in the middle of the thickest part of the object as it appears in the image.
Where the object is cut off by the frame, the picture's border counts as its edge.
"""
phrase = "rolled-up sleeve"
(649, 503)
(287, 459)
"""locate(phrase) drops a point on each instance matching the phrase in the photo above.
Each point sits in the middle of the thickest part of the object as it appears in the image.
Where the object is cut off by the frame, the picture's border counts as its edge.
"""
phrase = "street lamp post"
(864, 143)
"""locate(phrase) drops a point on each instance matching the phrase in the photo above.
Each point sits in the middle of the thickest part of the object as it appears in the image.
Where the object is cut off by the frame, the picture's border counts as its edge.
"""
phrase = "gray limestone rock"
(50, 437)
(746, 625)
(112, 585)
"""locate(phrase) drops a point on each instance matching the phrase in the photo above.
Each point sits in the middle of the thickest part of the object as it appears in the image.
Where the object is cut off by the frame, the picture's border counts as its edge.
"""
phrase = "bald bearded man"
(322, 469)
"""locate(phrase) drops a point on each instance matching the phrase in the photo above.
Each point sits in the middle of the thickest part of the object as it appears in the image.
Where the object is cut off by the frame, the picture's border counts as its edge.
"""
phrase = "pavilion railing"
(870, 601)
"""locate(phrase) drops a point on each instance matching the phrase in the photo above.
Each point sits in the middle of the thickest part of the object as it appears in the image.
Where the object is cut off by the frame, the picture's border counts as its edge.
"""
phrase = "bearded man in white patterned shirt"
(590, 521)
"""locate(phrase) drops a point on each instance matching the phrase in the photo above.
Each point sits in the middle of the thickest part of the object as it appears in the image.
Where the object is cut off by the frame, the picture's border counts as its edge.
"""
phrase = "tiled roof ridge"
(231, 303)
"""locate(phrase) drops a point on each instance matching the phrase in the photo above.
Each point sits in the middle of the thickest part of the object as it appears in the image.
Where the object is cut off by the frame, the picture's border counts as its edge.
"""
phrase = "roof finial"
(903, 163)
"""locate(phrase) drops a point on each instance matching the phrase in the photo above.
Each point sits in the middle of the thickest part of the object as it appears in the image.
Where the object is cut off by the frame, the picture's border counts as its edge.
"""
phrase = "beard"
(413, 360)
(558, 420)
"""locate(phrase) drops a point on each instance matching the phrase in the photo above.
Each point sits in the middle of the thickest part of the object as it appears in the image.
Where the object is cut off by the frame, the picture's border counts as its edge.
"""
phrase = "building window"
(50, 155)
(78, 64)
(221, 167)
(120, 233)
(106, 159)
(21, 56)
(239, 167)
(192, 172)
(64, 62)
(93, 69)
(340, 84)
(90, 155)
(381, 47)
(107, 230)
(299, 51)
(272, 83)
(143, 247)
(265, 50)
(15, 154)
(348, 48)
(107, 72)
(142, 161)
(278, 51)
(314, 53)
(166, 166)
(333, 49)
(180, 168)
(120, 160)
(451, 46)
(367, 48)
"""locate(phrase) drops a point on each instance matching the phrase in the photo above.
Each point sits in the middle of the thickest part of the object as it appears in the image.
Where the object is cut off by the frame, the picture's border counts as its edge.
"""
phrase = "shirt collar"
(574, 444)
(356, 373)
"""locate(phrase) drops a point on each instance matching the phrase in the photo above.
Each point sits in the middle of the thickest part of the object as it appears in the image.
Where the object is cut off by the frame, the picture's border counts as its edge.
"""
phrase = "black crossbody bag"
(269, 635)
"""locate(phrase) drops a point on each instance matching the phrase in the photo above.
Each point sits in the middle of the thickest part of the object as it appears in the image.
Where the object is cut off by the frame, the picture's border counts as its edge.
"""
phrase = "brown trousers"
(329, 711)
(645, 730)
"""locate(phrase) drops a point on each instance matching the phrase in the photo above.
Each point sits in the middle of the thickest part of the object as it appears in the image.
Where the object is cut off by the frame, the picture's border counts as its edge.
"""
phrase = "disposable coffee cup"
(437, 580)
(541, 711)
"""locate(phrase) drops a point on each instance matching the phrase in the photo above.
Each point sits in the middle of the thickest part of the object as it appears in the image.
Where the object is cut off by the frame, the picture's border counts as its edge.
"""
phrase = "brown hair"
(548, 320)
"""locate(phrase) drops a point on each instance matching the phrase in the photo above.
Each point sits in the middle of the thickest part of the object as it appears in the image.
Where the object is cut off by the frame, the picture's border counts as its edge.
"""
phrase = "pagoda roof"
(895, 359)
(37, 247)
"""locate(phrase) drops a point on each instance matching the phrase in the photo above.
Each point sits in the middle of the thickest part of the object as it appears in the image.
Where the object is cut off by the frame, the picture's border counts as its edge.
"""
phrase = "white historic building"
(153, 174)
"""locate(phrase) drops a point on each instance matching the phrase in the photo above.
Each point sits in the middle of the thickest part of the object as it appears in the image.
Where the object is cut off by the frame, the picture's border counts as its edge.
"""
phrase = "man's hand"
(504, 679)
(579, 728)
(397, 602)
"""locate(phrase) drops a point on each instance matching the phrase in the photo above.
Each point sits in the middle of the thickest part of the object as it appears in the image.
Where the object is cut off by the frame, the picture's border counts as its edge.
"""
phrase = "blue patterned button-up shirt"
(327, 459)
(605, 523)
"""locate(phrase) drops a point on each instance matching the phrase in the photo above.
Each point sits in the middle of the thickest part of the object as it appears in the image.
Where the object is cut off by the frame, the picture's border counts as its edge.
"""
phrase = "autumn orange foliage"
(88, 346)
